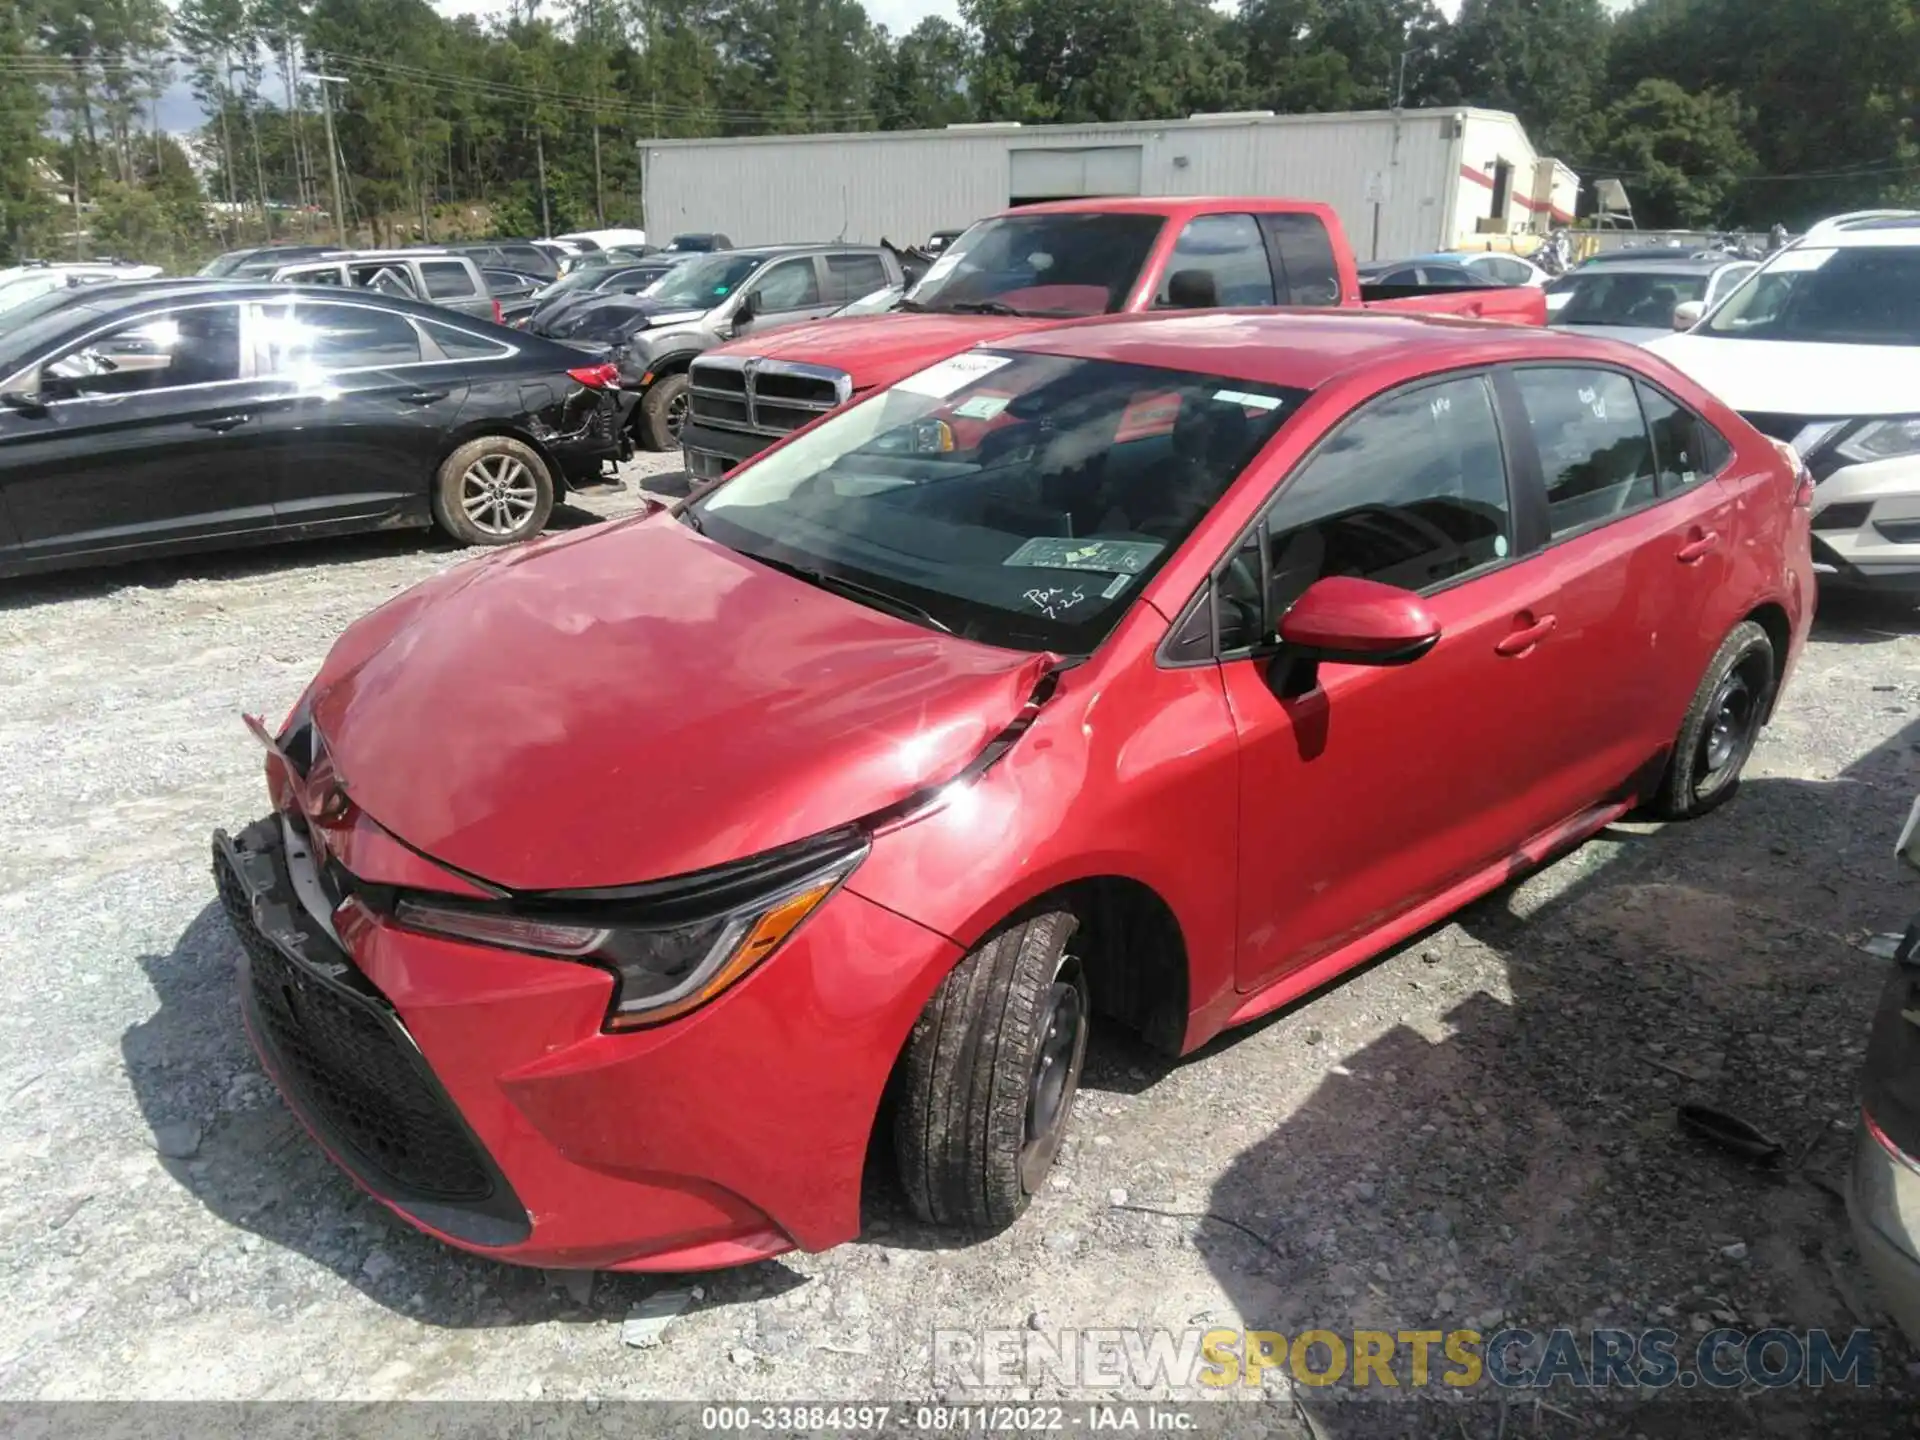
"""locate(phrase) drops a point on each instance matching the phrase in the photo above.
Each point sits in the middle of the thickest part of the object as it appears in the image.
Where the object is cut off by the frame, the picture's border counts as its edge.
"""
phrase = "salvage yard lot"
(1478, 1129)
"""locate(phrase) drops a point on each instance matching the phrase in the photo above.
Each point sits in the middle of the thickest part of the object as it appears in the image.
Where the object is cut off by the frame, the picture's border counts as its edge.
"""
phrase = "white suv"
(1820, 348)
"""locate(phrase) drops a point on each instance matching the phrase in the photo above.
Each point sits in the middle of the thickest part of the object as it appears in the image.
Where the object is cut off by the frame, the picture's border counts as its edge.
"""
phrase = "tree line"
(1718, 113)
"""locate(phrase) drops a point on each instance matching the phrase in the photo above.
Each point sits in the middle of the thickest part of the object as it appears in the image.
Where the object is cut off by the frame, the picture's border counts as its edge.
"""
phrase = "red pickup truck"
(1032, 267)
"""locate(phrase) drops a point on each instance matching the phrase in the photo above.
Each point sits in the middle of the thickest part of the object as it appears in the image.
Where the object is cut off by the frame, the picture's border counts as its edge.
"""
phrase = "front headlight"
(695, 949)
(1881, 440)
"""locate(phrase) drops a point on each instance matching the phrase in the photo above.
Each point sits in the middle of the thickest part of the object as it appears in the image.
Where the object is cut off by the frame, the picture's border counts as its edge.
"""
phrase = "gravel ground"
(1477, 1129)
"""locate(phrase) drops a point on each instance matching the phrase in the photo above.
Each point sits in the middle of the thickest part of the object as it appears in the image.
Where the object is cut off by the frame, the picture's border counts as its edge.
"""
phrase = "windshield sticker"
(982, 407)
(1789, 262)
(1107, 557)
(1120, 582)
(943, 379)
(1247, 399)
(1053, 603)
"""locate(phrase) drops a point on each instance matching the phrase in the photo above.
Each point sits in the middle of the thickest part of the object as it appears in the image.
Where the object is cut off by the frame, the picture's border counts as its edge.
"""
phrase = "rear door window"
(306, 339)
(851, 276)
(1219, 260)
(446, 279)
(1596, 456)
(1303, 258)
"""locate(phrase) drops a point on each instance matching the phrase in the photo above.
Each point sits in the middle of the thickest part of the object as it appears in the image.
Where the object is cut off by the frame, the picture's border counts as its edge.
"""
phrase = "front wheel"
(1720, 727)
(663, 412)
(990, 1075)
(492, 491)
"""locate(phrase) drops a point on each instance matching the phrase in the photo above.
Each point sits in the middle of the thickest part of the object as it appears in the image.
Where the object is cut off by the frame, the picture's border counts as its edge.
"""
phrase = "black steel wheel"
(1721, 726)
(989, 1076)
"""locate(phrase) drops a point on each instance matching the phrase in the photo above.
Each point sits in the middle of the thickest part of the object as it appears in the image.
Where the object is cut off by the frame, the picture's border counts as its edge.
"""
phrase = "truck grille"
(764, 397)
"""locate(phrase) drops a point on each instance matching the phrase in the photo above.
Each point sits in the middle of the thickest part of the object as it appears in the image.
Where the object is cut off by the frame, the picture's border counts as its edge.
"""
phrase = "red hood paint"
(638, 702)
(880, 349)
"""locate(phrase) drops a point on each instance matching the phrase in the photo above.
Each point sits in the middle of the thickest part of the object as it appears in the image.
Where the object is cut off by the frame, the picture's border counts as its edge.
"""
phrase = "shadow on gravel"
(1525, 1169)
(100, 581)
(236, 1148)
(1865, 619)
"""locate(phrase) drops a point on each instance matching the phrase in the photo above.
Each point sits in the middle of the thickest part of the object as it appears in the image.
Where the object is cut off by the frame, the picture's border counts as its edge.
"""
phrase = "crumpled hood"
(1785, 377)
(880, 349)
(636, 701)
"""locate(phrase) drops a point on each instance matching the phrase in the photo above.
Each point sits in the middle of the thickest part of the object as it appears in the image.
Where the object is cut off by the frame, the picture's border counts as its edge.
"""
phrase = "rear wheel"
(493, 491)
(663, 412)
(1721, 726)
(990, 1075)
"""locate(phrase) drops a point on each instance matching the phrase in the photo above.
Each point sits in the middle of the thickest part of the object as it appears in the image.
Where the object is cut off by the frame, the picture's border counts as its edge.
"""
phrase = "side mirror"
(1687, 314)
(1348, 621)
(748, 307)
(1192, 290)
(23, 403)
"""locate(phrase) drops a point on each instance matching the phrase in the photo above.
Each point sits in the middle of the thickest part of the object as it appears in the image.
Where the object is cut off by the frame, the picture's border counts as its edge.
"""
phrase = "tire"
(989, 1076)
(1720, 727)
(663, 410)
(493, 491)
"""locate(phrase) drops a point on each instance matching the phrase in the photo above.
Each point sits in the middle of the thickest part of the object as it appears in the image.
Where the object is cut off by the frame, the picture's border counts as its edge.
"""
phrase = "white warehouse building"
(1404, 182)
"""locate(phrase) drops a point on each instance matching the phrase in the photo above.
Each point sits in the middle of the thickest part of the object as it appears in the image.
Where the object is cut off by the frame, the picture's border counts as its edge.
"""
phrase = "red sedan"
(1155, 668)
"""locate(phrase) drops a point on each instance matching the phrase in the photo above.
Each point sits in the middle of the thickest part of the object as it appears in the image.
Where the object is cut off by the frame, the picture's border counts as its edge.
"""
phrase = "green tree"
(1305, 55)
(1092, 60)
(1682, 156)
(25, 200)
(1545, 60)
(920, 79)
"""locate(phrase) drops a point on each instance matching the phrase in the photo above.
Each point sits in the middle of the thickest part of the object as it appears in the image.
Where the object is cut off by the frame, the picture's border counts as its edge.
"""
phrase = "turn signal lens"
(767, 935)
(597, 377)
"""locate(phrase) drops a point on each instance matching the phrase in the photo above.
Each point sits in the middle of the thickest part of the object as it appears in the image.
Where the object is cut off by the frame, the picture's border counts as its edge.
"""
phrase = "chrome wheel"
(1056, 1073)
(499, 494)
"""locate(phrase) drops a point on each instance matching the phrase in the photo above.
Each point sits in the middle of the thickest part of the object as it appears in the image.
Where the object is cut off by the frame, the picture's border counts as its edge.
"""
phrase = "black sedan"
(153, 419)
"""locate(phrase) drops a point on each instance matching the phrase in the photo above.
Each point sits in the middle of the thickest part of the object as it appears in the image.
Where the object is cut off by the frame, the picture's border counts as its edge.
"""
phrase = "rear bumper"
(729, 1135)
(1883, 1204)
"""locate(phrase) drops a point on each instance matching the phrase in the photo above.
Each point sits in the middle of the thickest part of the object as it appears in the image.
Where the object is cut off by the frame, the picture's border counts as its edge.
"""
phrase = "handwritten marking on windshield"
(1053, 603)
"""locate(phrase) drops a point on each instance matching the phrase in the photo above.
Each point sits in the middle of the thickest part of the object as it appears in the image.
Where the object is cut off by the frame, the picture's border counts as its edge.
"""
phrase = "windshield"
(1020, 500)
(1627, 297)
(225, 264)
(703, 284)
(1853, 296)
(1040, 265)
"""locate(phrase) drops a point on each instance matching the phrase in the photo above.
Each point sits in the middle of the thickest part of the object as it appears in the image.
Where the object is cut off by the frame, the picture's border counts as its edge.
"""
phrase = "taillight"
(499, 315)
(597, 377)
(1802, 480)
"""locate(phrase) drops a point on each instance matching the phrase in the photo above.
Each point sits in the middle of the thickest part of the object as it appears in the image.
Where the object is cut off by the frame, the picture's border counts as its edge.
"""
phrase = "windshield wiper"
(905, 304)
(984, 307)
(854, 590)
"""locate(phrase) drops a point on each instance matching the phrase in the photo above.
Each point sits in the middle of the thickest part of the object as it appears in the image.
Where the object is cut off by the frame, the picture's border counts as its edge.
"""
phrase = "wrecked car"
(206, 415)
(1154, 669)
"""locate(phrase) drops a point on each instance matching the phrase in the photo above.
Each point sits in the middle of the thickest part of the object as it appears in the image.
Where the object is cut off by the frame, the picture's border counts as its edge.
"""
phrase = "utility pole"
(333, 151)
(599, 193)
(540, 160)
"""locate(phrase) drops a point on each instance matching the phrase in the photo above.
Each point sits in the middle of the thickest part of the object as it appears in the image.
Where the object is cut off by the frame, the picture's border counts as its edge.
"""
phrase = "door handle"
(1521, 641)
(422, 397)
(1702, 544)
(222, 423)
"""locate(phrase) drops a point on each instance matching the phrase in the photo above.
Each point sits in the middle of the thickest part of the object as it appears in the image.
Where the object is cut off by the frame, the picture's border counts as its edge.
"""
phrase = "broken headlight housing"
(672, 945)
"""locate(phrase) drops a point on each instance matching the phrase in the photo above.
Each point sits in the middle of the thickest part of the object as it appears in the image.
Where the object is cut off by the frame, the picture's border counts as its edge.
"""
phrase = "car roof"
(1304, 349)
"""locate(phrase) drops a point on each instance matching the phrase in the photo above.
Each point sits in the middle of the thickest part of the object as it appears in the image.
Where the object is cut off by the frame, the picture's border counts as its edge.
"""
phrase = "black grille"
(812, 390)
(719, 409)
(783, 417)
(1849, 516)
(722, 377)
(353, 1073)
